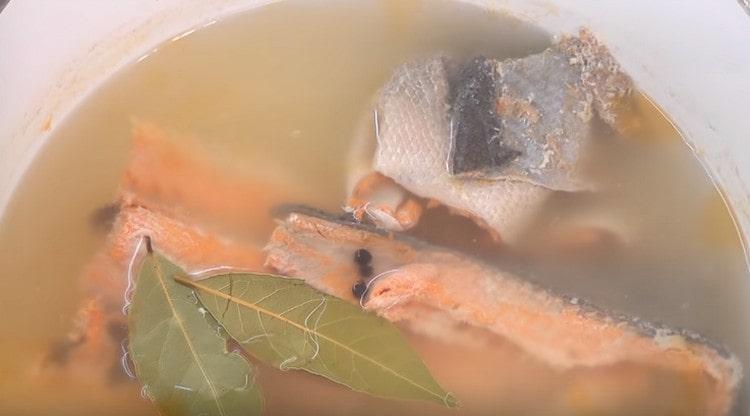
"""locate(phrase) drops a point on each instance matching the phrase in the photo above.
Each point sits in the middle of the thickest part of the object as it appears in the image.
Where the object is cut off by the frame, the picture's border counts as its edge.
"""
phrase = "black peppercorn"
(362, 257)
(358, 290)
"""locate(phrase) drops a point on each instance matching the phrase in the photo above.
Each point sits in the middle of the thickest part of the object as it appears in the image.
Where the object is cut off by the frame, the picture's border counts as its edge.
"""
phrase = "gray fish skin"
(547, 116)
(413, 146)
(546, 105)
(497, 157)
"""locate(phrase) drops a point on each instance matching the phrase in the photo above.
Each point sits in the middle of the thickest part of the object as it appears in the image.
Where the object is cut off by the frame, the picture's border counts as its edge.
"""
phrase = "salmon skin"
(413, 146)
(532, 118)
(493, 138)
(414, 282)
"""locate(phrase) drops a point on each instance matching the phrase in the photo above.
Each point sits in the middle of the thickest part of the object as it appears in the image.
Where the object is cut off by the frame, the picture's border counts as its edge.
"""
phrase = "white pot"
(691, 56)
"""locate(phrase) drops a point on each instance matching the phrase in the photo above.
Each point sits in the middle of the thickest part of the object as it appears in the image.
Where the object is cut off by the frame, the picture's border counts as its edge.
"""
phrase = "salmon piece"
(493, 138)
(96, 343)
(379, 200)
(413, 146)
(580, 391)
(189, 246)
(183, 201)
(165, 174)
(188, 228)
(530, 119)
(416, 284)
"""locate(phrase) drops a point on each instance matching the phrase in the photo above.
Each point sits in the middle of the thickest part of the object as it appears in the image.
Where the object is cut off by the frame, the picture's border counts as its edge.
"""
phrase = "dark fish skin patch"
(475, 143)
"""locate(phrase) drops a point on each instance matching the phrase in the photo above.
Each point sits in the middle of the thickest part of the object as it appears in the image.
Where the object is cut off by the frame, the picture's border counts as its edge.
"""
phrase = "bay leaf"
(290, 325)
(179, 356)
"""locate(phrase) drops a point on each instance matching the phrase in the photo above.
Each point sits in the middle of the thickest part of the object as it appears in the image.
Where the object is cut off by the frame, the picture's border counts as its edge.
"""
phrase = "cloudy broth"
(279, 90)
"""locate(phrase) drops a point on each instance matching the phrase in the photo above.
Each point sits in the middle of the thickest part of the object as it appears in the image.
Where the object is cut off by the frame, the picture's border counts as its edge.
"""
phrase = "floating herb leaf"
(179, 356)
(286, 323)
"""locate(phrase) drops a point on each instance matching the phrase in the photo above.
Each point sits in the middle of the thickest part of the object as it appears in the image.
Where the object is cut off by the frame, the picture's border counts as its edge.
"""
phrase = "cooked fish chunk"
(532, 118)
(426, 286)
(489, 374)
(493, 138)
(413, 133)
(93, 349)
(166, 174)
(190, 246)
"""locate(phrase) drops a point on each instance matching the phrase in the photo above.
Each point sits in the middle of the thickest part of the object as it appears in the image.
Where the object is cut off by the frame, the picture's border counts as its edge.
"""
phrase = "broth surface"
(279, 90)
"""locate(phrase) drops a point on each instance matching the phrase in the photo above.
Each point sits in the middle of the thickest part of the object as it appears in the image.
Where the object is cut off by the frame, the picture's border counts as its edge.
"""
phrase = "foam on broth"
(279, 90)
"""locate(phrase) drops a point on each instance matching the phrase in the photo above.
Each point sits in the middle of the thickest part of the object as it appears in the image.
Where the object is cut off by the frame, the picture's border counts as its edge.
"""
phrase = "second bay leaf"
(290, 325)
